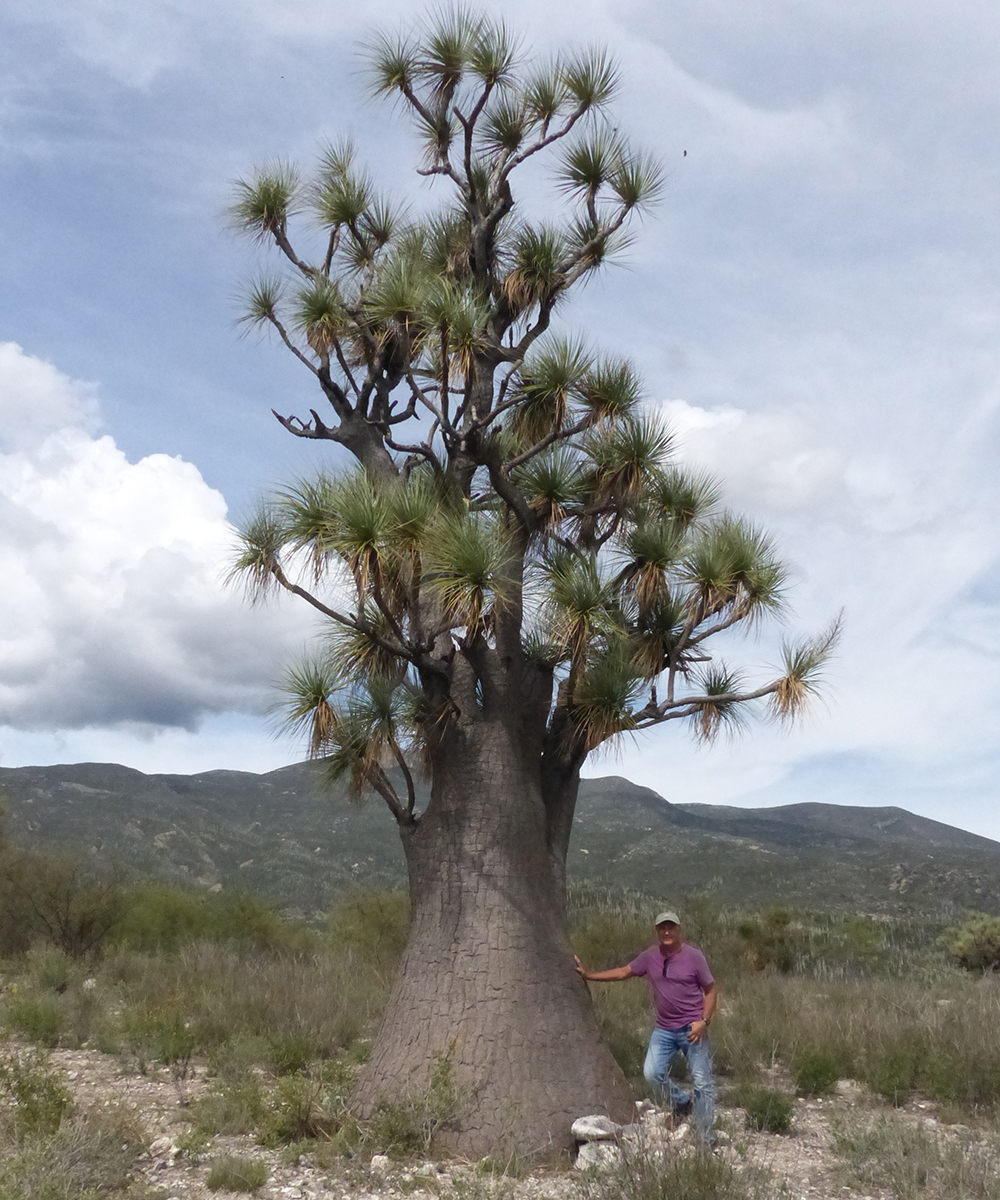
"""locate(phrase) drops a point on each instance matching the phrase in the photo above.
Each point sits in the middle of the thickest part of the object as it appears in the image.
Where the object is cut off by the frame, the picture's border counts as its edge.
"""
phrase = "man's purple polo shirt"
(678, 994)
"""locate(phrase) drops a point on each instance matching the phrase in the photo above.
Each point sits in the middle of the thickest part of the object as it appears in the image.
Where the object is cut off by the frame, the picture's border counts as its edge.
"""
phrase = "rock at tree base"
(595, 1129)
(598, 1154)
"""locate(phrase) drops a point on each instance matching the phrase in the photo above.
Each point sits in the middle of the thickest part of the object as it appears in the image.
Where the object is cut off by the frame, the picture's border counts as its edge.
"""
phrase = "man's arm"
(609, 976)
(711, 1000)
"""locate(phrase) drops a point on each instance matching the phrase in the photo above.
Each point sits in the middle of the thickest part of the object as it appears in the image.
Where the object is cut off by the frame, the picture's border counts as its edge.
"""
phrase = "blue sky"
(816, 306)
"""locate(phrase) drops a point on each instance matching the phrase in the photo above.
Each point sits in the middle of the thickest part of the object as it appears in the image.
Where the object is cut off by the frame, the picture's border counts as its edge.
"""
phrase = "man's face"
(669, 936)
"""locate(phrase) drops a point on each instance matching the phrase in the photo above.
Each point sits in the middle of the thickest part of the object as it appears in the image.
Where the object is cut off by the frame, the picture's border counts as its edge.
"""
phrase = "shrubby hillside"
(286, 836)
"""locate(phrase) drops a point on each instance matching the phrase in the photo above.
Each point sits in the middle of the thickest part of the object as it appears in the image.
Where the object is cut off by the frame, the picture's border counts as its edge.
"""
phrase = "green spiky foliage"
(515, 541)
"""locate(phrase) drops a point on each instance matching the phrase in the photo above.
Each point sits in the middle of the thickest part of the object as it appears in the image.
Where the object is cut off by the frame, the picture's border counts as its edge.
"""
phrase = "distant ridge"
(279, 833)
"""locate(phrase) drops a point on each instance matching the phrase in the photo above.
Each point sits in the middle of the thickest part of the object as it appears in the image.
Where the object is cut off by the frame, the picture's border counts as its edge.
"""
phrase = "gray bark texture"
(487, 982)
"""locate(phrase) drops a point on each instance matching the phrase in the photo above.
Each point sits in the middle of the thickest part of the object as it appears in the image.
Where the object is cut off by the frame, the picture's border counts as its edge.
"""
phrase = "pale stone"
(380, 1163)
(595, 1129)
(598, 1154)
(163, 1147)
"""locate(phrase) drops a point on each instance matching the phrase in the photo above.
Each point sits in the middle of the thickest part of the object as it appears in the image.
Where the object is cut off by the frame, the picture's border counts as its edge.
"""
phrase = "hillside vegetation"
(262, 1023)
(281, 835)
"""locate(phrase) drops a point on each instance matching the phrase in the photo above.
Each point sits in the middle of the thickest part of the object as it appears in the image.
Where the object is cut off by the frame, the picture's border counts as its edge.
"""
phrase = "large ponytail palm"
(514, 573)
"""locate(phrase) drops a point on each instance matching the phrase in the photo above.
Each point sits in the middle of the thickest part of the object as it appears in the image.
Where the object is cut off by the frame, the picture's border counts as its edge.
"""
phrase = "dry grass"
(920, 1162)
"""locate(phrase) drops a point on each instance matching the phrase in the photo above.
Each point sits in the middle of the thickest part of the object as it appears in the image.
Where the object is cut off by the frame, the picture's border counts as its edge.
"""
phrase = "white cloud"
(114, 609)
(908, 550)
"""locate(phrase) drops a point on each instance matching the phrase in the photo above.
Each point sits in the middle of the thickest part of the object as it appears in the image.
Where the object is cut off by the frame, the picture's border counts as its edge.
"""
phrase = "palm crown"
(515, 535)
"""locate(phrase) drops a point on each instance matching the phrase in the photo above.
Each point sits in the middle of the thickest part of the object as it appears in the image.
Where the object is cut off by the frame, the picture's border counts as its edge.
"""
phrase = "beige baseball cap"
(667, 916)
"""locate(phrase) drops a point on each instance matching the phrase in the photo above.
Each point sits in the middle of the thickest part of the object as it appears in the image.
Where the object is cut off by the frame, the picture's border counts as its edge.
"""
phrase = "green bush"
(235, 1108)
(234, 1174)
(39, 1019)
(975, 944)
(894, 1070)
(291, 1052)
(374, 925)
(162, 918)
(158, 1035)
(300, 1108)
(766, 1109)
(38, 1100)
(56, 900)
(89, 1156)
(816, 1072)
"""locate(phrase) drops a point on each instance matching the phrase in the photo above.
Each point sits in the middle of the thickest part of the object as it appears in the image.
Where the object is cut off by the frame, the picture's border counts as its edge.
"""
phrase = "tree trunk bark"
(487, 982)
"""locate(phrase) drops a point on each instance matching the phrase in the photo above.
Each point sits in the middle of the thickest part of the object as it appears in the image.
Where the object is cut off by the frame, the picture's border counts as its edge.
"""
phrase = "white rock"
(426, 1170)
(88, 985)
(380, 1163)
(597, 1154)
(681, 1133)
(164, 1148)
(595, 1129)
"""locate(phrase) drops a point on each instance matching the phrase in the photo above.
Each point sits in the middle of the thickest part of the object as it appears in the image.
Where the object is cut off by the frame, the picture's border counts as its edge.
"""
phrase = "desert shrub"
(290, 1053)
(408, 1126)
(975, 944)
(232, 1108)
(37, 1018)
(160, 918)
(641, 1175)
(913, 1162)
(158, 1035)
(772, 941)
(816, 1072)
(372, 925)
(766, 1109)
(232, 1173)
(35, 1093)
(56, 900)
(894, 1069)
(89, 1156)
(298, 1108)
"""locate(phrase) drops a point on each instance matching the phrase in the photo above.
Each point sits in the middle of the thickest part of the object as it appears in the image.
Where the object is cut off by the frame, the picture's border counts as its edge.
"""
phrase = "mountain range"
(286, 835)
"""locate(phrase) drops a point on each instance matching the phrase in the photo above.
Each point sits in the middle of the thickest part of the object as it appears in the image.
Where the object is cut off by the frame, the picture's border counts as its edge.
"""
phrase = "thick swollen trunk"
(487, 982)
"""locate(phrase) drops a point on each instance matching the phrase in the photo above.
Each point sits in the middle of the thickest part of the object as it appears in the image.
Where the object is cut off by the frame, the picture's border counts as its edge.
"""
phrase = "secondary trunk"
(487, 984)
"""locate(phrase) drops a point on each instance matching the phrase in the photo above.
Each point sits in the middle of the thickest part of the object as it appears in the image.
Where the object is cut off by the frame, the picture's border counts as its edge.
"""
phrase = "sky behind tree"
(815, 305)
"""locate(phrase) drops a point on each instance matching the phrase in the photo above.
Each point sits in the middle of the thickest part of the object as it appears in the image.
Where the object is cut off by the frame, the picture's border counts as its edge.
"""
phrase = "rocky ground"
(802, 1163)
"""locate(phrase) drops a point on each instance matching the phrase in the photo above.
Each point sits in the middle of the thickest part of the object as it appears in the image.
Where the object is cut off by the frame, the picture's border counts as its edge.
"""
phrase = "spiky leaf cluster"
(516, 538)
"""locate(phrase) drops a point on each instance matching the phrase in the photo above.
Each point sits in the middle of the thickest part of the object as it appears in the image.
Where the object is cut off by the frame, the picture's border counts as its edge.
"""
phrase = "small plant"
(37, 1095)
(39, 1019)
(408, 1126)
(89, 1156)
(645, 1175)
(290, 1053)
(232, 1173)
(766, 1109)
(975, 944)
(894, 1070)
(231, 1109)
(816, 1073)
(300, 1107)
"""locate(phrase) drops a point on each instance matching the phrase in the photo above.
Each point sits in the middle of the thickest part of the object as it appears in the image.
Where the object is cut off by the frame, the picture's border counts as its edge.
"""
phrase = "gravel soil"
(802, 1163)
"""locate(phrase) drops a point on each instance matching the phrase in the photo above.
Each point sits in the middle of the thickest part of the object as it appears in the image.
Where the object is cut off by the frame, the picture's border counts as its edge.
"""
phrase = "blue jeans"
(664, 1046)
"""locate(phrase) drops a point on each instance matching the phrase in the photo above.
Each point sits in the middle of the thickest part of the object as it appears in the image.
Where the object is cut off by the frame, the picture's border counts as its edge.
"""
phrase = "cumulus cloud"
(908, 554)
(114, 609)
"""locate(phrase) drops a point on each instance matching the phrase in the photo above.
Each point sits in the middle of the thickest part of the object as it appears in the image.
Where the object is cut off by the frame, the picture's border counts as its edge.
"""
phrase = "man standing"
(684, 994)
